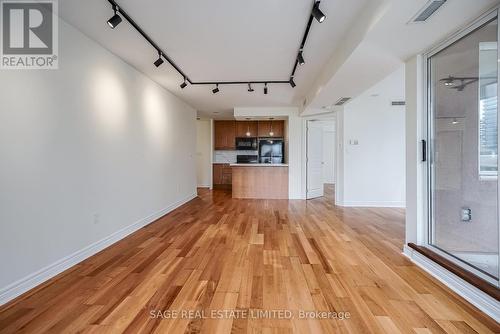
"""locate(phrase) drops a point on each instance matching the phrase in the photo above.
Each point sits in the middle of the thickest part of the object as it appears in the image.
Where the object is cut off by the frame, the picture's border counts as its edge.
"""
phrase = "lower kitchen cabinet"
(222, 175)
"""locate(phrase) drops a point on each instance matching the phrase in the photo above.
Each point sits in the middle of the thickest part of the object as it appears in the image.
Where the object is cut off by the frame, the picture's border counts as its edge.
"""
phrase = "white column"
(415, 200)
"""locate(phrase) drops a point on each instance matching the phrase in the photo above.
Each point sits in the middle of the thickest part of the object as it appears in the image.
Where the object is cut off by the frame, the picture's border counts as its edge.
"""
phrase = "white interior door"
(314, 159)
(329, 156)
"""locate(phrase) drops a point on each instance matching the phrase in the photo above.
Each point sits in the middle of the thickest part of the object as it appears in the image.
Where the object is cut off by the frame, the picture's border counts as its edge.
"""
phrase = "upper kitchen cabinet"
(246, 129)
(271, 129)
(224, 135)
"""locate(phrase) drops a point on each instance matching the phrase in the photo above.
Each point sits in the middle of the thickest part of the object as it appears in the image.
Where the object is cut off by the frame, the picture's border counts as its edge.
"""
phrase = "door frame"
(328, 116)
(427, 131)
(309, 121)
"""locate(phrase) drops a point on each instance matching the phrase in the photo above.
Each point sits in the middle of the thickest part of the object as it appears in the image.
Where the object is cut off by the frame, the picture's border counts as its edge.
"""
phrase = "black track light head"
(300, 58)
(184, 84)
(250, 89)
(317, 13)
(159, 61)
(115, 19)
(265, 89)
(216, 89)
(292, 83)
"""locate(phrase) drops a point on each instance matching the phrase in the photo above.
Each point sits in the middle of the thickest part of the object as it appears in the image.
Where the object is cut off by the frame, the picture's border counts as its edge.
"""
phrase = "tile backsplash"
(229, 157)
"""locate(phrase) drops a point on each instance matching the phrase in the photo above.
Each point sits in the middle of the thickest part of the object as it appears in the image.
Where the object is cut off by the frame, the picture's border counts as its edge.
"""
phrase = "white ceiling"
(360, 43)
(386, 42)
(221, 40)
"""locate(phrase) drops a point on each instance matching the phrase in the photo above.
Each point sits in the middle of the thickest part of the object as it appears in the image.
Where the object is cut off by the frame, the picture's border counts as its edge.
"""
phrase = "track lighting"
(159, 61)
(184, 84)
(300, 58)
(120, 14)
(317, 13)
(115, 20)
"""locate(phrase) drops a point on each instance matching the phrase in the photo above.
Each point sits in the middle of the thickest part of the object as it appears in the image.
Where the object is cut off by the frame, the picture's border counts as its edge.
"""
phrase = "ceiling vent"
(342, 101)
(398, 103)
(430, 8)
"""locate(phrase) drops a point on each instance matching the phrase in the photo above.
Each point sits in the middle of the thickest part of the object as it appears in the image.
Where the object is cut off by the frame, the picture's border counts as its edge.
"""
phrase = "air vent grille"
(342, 101)
(398, 103)
(430, 8)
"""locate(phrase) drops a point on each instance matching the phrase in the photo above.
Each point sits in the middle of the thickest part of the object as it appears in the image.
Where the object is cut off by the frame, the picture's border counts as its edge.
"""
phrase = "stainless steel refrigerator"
(271, 151)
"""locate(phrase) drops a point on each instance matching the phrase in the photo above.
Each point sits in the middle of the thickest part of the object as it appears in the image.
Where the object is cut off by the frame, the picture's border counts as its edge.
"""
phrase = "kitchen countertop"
(259, 165)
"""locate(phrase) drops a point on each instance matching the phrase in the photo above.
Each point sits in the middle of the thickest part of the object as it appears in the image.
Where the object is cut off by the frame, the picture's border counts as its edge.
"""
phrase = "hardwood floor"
(218, 253)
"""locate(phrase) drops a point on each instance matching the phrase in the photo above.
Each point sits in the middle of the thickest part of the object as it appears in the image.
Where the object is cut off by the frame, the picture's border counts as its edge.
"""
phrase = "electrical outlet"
(96, 218)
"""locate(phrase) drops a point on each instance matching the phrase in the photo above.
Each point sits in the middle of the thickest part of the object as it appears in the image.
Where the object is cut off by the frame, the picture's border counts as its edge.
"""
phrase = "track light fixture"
(184, 84)
(159, 61)
(115, 19)
(120, 13)
(300, 58)
(317, 13)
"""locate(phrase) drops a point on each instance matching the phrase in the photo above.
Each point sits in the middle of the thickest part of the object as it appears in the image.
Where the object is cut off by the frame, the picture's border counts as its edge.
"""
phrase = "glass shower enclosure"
(462, 136)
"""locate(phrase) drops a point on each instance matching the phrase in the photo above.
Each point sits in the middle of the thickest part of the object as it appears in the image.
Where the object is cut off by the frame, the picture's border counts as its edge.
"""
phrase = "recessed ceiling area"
(221, 40)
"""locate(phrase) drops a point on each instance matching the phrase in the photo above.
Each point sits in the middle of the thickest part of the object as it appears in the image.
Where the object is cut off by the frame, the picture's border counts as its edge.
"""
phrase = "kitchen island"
(260, 181)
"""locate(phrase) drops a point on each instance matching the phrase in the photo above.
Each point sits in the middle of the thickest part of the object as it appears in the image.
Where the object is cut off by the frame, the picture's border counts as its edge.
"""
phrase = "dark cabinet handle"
(424, 151)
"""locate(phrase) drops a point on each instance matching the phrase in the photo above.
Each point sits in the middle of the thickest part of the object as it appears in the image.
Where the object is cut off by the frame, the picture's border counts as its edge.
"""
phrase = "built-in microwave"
(246, 144)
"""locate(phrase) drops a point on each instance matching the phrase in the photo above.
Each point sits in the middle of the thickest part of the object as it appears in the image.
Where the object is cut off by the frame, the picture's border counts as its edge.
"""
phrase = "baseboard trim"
(375, 204)
(31, 281)
(473, 295)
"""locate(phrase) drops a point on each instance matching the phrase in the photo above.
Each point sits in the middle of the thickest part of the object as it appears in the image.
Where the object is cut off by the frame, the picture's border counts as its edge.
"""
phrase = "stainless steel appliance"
(246, 144)
(271, 151)
(247, 159)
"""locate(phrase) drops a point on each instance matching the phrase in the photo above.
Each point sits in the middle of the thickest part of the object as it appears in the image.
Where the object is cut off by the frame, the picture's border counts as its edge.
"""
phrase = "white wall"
(204, 153)
(414, 135)
(339, 157)
(374, 168)
(86, 152)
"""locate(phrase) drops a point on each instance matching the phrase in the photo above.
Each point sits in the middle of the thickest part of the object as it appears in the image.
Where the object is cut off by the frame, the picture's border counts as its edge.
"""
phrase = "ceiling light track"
(316, 13)
(241, 82)
(147, 38)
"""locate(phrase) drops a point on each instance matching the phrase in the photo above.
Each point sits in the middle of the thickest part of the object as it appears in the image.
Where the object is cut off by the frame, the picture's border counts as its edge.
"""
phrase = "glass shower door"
(463, 151)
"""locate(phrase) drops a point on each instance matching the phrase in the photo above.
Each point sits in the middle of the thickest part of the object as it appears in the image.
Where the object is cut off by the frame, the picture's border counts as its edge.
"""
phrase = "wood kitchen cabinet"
(226, 132)
(246, 126)
(222, 175)
(224, 135)
(278, 128)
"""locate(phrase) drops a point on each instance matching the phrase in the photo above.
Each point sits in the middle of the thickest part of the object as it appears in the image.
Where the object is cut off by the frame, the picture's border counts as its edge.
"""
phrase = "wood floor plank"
(333, 269)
